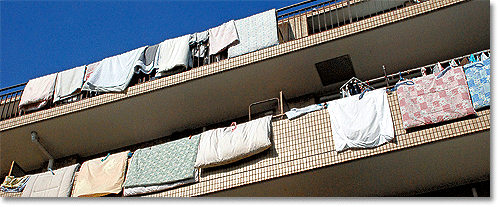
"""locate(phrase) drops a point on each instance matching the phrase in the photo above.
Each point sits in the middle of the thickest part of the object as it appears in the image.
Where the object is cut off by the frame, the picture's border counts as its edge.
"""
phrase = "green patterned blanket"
(165, 163)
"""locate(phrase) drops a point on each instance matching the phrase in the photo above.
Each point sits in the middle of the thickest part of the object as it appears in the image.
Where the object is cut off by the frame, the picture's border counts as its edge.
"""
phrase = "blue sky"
(40, 38)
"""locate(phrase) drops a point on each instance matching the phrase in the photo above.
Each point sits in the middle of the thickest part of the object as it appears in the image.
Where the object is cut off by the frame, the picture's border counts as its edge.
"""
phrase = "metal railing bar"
(294, 5)
(426, 66)
(259, 102)
(309, 7)
(12, 92)
(14, 86)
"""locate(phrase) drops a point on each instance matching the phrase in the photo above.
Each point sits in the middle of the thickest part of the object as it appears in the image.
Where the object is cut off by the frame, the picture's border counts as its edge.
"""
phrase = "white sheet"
(38, 92)
(113, 74)
(68, 82)
(364, 123)
(255, 32)
(225, 145)
(173, 53)
(222, 37)
(47, 185)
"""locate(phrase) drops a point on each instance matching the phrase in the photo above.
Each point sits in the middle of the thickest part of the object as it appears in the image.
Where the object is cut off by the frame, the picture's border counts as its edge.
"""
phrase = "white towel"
(68, 82)
(222, 37)
(364, 123)
(294, 112)
(225, 145)
(38, 92)
(173, 53)
(113, 74)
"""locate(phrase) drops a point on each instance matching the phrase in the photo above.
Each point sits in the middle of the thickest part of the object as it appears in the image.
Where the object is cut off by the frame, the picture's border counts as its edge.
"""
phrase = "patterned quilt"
(255, 32)
(478, 79)
(433, 100)
(164, 163)
(57, 183)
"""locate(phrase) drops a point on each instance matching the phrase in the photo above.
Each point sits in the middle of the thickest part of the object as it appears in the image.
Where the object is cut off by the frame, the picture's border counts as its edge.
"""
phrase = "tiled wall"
(232, 63)
(306, 143)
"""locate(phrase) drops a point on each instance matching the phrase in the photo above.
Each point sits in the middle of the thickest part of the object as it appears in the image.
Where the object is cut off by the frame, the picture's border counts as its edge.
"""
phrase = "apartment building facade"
(373, 41)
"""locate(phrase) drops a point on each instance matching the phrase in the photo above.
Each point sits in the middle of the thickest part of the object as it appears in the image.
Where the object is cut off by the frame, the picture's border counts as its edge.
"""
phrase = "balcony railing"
(294, 22)
(303, 19)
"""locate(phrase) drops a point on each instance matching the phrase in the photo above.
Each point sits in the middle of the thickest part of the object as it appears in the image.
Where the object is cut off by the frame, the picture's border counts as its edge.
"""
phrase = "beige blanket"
(99, 178)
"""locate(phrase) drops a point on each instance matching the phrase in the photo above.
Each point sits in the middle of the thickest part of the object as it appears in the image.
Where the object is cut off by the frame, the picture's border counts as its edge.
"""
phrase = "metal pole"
(349, 9)
(281, 102)
(385, 75)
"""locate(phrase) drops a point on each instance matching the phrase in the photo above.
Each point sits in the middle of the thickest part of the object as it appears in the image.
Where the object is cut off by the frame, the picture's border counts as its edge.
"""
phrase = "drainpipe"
(35, 139)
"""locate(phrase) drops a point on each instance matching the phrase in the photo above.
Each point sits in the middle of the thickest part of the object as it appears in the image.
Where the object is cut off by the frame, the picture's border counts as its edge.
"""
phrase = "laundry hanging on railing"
(147, 60)
(225, 145)
(255, 32)
(155, 188)
(46, 184)
(478, 80)
(472, 59)
(453, 63)
(361, 123)
(38, 93)
(101, 176)
(199, 44)
(484, 56)
(464, 61)
(113, 74)
(423, 71)
(13, 184)
(68, 83)
(437, 68)
(222, 37)
(353, 87)
(90, 69)
(162, 166)
(173, 55)
(295, 113)
(432, 100)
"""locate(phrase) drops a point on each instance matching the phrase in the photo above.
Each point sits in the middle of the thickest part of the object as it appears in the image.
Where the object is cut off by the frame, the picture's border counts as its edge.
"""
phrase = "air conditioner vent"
(335, 70)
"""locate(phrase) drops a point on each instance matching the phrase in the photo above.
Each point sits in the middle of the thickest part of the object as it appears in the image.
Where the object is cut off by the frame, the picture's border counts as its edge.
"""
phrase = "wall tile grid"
(232, 63)
(306, 143)
(298, 145)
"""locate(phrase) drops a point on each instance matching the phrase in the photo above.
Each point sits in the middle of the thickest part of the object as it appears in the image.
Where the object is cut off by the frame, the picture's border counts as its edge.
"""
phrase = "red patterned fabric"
(433, 100)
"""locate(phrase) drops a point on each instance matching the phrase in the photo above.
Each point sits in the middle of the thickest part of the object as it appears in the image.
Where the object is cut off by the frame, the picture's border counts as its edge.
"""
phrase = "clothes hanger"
(402, 81)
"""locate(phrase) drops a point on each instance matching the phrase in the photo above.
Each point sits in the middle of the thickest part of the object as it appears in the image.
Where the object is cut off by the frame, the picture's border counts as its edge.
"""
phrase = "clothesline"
(375, 80)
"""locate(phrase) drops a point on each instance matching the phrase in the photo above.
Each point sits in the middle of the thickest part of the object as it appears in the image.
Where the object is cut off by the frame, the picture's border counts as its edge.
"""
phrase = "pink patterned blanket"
(433, 100)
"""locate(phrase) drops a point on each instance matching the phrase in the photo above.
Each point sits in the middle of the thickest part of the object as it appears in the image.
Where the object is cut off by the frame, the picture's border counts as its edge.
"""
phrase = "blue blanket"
(478, 79)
